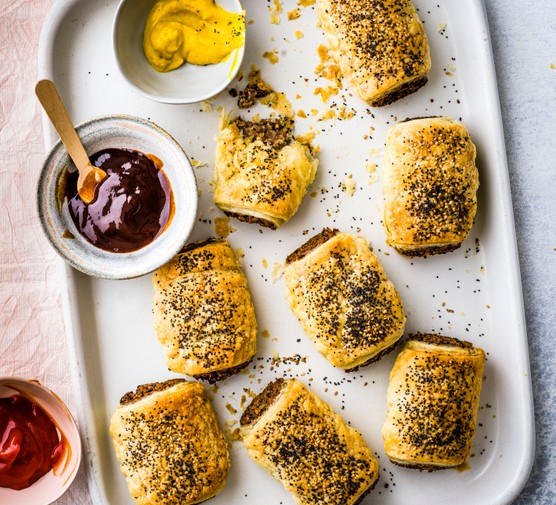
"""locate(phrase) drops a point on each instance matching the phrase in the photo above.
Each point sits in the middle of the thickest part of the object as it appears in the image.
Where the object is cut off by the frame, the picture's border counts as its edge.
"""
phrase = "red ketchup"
(30, 444)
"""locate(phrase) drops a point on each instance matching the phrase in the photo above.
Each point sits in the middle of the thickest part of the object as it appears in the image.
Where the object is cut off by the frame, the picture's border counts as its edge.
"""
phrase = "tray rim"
(69, 277)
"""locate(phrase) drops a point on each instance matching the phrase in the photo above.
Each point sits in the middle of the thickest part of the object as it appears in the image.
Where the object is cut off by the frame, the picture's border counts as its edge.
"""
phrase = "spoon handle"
(54, 107)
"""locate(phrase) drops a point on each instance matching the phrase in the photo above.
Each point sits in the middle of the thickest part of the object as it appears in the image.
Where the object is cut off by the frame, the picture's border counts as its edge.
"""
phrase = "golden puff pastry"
(433, 398)
(301, 442)
(203, 313)
(343, 299)
(380, 46)
(429, 186)
(261, 171)
(169, 445)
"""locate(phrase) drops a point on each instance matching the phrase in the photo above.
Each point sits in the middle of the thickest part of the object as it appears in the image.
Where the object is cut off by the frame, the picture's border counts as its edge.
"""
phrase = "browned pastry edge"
(251, 219)
(402, 91)
(423, 467)
(427, 251)
(431, 338)
(144, 390)
(415, 118)
(302, 251)
(261, 402)
(376, 357)
(367, 491)
(201, 243)
(220, 375)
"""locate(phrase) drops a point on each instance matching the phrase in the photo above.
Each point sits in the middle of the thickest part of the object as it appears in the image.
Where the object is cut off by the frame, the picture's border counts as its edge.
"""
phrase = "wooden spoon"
(89, 175)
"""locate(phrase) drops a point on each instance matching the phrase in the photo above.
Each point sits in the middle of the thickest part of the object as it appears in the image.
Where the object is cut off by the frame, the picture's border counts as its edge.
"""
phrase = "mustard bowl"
(187, 84)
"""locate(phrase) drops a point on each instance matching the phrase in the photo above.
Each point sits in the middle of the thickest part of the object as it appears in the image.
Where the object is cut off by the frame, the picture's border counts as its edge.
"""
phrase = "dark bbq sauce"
(132, 206)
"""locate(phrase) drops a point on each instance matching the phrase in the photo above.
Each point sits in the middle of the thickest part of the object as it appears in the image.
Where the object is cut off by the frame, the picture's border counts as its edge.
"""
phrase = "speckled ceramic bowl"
(187, 84)
(118, 132)
(55, 483)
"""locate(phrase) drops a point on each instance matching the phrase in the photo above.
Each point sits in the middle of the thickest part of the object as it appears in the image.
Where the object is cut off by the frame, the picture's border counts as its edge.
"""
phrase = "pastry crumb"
(231, 409)
(440, 27)
(294, 14)
(449, 70)
(329, 114)
(272, 56)
(348, 185)
(258, 90)
(326, 93)
(328, 68)
(277, 271)
(222, 226)
(198, 163)
(275, 11)
(308, 137)
(255, 89)
(346, 113)
(249, 392)
(279, 102)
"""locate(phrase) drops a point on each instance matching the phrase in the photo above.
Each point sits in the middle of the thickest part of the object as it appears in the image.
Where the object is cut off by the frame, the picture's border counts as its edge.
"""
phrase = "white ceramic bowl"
(55, 483)
(187, 84)
(118, 132)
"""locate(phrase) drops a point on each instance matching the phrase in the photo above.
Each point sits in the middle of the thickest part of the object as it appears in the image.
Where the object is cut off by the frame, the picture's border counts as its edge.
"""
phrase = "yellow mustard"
(199, 32)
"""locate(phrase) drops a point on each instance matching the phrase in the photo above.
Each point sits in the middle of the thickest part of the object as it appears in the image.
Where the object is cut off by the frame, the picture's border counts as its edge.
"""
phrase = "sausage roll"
(433, 398)
(301, 442)
(430, 184)
(380, 46)
(169, 445)
(261, 171)
(343, 299)
(203, 313)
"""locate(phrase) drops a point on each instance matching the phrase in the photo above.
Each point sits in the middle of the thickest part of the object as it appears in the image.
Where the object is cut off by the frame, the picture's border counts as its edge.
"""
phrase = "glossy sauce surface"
(199, 32)
(30, 444)
(133, 204)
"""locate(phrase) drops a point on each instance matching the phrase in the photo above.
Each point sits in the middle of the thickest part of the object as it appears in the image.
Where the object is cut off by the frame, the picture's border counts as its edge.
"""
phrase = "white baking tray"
(473, 293)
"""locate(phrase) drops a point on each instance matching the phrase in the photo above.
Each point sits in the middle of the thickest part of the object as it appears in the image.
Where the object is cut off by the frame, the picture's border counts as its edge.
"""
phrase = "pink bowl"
(55, 483)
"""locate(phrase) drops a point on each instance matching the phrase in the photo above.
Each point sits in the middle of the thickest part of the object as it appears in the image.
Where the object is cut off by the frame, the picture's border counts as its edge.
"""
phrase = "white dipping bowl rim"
(50, 487)
(125, 132)
(184, 85)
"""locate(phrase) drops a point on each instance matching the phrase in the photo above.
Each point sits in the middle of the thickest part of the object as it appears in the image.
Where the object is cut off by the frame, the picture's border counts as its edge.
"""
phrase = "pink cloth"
(32, 337)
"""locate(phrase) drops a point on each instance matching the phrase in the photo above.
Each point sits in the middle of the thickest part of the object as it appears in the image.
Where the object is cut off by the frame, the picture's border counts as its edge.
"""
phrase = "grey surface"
(524, 43)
